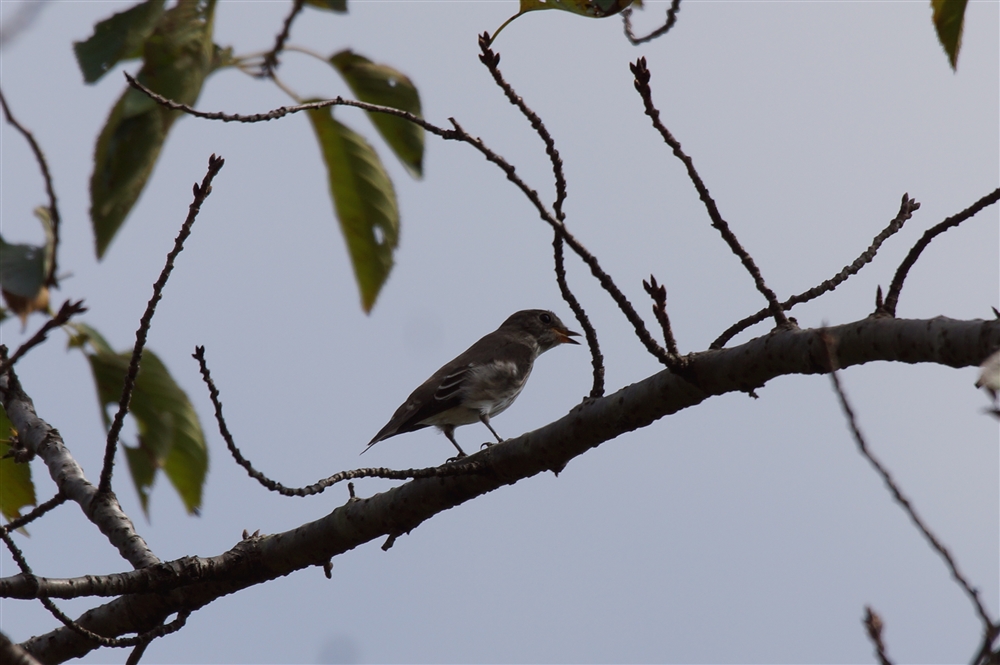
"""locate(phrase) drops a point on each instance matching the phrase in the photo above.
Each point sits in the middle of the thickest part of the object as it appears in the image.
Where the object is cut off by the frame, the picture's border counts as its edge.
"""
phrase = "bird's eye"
(544, 316)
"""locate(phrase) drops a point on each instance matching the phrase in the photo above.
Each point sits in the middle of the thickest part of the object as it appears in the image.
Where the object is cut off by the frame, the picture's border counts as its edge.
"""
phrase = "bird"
(481, 382)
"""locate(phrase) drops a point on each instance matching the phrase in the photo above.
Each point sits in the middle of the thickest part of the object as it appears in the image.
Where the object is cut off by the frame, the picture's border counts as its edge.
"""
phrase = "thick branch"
(42, 439)
(400, 510)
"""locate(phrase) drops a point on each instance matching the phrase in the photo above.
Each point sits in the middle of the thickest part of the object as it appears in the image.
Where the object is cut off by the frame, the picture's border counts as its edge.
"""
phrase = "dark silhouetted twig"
(658, 293)
(201, 192)
(22, 563)
(457, 133)
(270, 62)
(973, 594)
(50, 279)
(35, 513)
(892, 297)
(596, 357)
(65, 313)
(873, 626)
(641, 74)
(320, 486)
(906, 210)
(492, 61)
(675, 7)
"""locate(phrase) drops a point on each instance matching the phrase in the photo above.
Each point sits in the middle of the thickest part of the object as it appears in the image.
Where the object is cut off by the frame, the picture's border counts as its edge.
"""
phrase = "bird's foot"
(455, 458)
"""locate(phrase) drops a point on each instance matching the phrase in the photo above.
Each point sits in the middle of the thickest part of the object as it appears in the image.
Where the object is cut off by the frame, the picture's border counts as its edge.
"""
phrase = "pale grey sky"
(739, 531)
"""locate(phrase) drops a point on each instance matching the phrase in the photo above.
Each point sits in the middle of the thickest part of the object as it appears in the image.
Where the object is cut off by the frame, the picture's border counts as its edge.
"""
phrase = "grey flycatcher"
(483, 381)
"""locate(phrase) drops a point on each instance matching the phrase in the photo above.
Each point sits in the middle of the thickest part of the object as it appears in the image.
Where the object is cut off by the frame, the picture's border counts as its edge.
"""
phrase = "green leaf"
(177, 58)
(364, 201)
(332, 5)
(591, 8)
(16, 488)
(170, 436)
(381, 84)
(948, 18)
(22, 269)
(118, 38)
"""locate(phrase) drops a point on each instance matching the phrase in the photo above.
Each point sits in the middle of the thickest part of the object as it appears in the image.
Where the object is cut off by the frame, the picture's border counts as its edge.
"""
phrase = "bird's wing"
(441, 392)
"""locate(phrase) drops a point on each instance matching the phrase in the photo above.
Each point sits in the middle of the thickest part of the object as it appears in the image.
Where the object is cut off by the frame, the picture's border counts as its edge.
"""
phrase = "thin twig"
(973, 594)
(675, 7)
(50, 279)
(201, 192)
(897, 281)
(270, 62)
(641, 74)
(658, 293)
(457, 133)
(65, 313)
(873, 626)
(35, 513)
(22, 563)
(492, 61)
(319, 486)
(906, 210)
(596, 357)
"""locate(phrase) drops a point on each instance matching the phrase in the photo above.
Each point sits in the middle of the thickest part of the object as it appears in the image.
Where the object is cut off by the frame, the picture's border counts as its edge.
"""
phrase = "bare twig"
(897, 281)
(873, 626)
(22, 563)
(906, 210)
(457, 133)
(675, 7)
(973, 594)
(65, 313)
(641, 74)
(466, 466)
(270, 62)
(201, 192)
(492, 61)
(596, 357)
(658, 293)
(35, 513)
(50, 279)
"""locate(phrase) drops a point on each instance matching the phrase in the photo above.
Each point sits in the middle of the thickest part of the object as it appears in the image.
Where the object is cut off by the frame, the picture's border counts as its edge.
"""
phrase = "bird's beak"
(566, 336)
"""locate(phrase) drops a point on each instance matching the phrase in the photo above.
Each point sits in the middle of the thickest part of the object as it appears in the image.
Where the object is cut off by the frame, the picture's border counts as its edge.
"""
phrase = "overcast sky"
(738, 531)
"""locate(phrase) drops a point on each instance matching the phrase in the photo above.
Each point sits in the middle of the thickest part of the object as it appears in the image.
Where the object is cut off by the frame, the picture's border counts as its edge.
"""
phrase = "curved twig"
(675, 7)
(492, 61)
(270, 62)
(50, 279)
(35, 513)
(454, 469)
(897, 281)
(906, 210)
(65, 313)
(457, 133)
(829, 345)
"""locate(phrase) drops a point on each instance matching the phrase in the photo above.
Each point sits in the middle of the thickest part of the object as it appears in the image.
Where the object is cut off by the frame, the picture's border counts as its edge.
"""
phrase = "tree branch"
(41, 439)
(398, 511)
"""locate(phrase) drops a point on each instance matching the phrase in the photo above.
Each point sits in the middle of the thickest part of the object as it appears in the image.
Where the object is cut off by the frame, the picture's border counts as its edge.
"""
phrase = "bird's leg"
(485, 418)
(449, 431)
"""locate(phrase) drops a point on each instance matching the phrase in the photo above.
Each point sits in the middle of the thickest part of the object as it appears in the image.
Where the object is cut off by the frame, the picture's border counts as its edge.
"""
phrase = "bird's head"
(543, 326)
